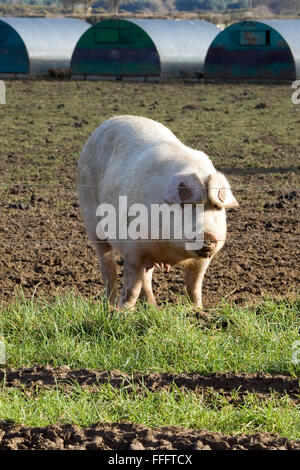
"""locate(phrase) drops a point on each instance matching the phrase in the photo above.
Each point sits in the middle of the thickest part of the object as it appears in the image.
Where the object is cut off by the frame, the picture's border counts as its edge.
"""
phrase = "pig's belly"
(151, 252)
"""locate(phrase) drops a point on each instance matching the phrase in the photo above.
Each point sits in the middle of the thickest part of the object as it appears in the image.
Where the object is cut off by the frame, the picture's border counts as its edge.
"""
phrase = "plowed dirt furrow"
(45, 376)
(126, 436)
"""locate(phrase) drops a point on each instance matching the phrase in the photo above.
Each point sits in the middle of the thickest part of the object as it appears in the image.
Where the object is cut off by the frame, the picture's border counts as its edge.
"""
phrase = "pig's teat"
(149, 264)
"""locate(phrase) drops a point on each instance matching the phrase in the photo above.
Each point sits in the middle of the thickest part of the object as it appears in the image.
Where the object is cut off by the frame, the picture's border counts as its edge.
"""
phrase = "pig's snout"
(210, 241)
(209, 245)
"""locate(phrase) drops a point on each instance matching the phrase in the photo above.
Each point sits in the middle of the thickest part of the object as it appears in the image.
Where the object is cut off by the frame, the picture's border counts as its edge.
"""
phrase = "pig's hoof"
(203, 316)
(126, 308)
(113, 308)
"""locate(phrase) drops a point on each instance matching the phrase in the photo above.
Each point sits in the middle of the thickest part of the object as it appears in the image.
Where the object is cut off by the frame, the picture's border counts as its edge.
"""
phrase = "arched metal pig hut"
(268, 49)
(143, 48)
(33, 46)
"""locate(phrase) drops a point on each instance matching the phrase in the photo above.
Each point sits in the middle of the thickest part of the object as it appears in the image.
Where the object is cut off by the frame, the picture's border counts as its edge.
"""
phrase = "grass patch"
(106, 404)
(81, 333)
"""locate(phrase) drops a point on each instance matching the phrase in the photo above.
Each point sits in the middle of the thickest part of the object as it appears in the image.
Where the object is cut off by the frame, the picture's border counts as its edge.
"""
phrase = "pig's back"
(130, 132)
(125, 149)
(122, 136)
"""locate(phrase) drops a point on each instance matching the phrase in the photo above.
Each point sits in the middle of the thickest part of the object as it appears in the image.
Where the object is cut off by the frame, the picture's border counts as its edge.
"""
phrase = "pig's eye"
(215, 208)
(202, 201)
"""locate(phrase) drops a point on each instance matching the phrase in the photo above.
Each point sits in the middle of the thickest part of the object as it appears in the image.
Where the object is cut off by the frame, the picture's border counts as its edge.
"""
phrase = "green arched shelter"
(266, 49)
(143, 48)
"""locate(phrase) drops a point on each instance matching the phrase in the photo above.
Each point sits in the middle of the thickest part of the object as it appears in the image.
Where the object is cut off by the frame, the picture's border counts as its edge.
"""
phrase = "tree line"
(164, 6)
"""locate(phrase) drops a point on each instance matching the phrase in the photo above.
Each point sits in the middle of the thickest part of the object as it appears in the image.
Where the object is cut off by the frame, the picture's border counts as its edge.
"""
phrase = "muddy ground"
(127, 436)
(260, 257)
(48, 376)
(250, 132)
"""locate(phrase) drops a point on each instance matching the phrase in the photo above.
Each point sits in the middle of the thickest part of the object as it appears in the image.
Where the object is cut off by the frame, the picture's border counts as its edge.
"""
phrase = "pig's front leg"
(193, 276)
(133, 281)
(146, 292)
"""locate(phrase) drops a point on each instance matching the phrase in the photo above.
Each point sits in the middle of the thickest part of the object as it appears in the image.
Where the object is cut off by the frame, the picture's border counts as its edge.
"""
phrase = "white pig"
(143, 160)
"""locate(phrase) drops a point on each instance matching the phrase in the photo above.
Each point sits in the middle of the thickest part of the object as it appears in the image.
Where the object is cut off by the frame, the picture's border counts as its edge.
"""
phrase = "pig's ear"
(219, 192)
(185, 188)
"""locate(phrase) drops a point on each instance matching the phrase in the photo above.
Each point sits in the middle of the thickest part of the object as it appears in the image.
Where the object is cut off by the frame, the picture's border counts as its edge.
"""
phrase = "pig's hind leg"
(146, 291)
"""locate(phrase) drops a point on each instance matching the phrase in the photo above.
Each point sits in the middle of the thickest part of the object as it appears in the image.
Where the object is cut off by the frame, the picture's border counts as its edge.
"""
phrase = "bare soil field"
(260, 257)
(251, 133)
(108, 436)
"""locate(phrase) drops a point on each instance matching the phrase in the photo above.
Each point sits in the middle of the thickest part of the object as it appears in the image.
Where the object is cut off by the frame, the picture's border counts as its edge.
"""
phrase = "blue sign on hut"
(268, 49)
(33, 46)
(143, 48)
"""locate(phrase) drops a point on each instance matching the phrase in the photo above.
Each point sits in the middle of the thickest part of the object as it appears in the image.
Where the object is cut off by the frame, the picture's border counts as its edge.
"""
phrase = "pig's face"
(215, 195)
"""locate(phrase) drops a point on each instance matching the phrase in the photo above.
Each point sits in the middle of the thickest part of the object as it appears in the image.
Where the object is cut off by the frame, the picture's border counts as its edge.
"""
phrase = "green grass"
(81, 333)
(105, 404)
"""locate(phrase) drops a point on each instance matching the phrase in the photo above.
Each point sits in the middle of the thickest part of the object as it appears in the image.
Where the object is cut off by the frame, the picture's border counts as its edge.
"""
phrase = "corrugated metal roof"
(290, 31)
(49, 41)
(181, 44)
(273, 56)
